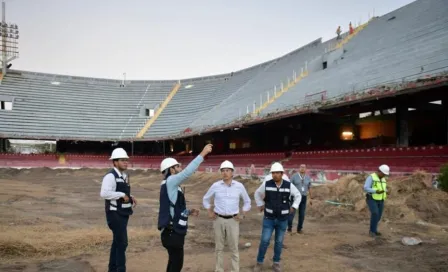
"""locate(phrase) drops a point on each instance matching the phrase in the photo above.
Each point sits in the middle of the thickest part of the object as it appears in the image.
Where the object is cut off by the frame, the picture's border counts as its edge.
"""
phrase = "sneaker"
(299, 231)
(258, 267)
(372, 234)
(289, 229)
(276, 267)
(378, 233)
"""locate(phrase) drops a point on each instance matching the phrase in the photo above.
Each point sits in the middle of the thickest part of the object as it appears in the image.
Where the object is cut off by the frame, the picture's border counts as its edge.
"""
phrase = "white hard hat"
(119, 153)
(226, 164)
(384, 169)
(277, 167)
(168, 163)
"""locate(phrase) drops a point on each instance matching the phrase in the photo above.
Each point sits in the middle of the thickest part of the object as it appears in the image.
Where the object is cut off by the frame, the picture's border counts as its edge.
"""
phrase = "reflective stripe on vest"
(378, 184)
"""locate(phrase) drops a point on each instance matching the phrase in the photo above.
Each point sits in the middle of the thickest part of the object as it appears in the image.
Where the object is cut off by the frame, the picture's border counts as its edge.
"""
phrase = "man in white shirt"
(116, 191)
(273, 197)
(227, 193)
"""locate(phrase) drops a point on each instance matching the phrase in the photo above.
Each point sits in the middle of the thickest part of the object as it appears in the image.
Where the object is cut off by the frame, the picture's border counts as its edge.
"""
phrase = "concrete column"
(402, 126)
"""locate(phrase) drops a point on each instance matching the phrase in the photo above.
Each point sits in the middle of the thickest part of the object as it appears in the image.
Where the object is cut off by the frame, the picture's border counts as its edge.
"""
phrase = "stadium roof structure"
(403, 50)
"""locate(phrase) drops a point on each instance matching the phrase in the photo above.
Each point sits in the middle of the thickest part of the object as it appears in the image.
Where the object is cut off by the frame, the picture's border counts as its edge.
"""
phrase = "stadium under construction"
(378, 93)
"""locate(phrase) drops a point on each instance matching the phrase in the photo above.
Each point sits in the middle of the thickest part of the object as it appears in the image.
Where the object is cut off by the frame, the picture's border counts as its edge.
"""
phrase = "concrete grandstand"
(393, 69)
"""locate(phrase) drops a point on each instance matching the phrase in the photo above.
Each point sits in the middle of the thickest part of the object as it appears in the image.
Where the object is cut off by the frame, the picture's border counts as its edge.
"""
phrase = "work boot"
(276, 267)
(258, 267)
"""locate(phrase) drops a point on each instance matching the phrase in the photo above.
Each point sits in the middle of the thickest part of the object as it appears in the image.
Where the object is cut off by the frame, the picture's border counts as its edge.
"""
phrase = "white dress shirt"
(109, 185)
(269, 177)
(260, 193)
(227, 198)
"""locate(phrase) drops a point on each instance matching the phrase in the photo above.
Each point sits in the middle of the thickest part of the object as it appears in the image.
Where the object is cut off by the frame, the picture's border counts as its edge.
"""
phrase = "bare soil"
(53, 220)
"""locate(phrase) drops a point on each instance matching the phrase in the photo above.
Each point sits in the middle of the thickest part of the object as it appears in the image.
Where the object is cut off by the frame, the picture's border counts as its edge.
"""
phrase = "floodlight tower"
(9, 43)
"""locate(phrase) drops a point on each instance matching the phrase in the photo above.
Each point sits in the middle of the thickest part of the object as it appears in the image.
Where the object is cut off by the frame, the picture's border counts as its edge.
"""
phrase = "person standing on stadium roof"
(273, 197)
(302, 182)
(376, 189)
(173, 212)
(116, 191)
(225, 213)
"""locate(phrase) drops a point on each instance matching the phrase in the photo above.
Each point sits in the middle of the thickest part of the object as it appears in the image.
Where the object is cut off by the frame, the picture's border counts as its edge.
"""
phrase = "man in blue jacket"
(173, 212)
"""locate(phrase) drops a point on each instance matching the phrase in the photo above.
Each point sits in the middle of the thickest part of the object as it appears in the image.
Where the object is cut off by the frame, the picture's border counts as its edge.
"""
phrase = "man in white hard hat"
(376, 189)
(173, 212)
(116, 191)
(226, 214)
(269, 177)
(273, 197)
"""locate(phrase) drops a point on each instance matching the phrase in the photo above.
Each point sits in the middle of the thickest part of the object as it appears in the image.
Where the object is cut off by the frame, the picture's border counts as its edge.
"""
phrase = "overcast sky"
(173, 39)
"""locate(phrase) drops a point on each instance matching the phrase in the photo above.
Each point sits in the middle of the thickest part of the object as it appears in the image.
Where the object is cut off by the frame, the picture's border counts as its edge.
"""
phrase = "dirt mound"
(409, 199)
(9, 172)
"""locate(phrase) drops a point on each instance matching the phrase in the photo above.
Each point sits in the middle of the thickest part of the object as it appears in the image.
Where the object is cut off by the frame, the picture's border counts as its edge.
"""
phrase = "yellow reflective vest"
(378, 184)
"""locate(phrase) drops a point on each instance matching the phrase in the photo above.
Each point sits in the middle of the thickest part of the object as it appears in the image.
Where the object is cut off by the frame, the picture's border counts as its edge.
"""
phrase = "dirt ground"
(53, 220)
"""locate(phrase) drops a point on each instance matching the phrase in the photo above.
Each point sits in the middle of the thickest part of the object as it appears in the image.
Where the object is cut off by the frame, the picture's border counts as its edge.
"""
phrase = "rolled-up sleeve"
(297, 197)
(246, 199)
(259, 195)
(207, 197)
(368, 185)
(108, 187)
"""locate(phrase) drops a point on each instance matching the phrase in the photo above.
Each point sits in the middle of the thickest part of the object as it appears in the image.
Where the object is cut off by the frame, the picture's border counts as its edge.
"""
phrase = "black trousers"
(174, 244)
(118, 224)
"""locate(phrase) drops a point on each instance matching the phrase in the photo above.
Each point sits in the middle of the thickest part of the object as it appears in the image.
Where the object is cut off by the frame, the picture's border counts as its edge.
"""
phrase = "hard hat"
(226, 164)
(119, 153)
(168, 163)
(384, 169)
(277, 167)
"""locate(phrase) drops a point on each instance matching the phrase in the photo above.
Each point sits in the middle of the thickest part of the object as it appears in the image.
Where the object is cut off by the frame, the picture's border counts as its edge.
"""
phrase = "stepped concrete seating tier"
(216, 99)
(255, 91)
(404, 45)
(188, 103)
(76, 107)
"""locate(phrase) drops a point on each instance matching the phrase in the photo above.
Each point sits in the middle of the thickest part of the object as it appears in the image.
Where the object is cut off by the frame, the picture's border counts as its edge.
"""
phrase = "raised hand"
(207, 149)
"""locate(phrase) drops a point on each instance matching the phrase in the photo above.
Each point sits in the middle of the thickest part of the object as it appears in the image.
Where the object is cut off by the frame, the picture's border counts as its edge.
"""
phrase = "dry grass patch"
(49, 240)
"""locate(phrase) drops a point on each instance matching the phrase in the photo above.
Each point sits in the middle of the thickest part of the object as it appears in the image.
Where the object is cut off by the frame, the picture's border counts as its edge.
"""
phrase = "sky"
(175, 39)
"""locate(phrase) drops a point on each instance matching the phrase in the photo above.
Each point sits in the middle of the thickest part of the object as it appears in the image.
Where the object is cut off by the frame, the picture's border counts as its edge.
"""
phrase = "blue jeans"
(376, 208)
(118, 224)
(301, 212)
(269, 225)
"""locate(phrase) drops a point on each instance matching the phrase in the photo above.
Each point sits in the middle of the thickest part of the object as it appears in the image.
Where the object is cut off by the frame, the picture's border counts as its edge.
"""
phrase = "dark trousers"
(174, 244)
(118, 224)
(301, 212)
(376, 208)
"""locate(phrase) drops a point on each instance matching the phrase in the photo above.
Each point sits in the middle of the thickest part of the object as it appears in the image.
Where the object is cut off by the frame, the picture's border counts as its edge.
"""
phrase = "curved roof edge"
(65, 77)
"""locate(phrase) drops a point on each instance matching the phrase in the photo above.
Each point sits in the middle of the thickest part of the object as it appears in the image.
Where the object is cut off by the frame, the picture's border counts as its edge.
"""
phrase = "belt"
(226, 216)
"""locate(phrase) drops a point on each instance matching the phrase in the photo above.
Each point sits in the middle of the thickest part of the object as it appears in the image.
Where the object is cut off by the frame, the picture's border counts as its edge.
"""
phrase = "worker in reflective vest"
(376, 189)
(116, 191)
(173, 212)
(273, 198)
